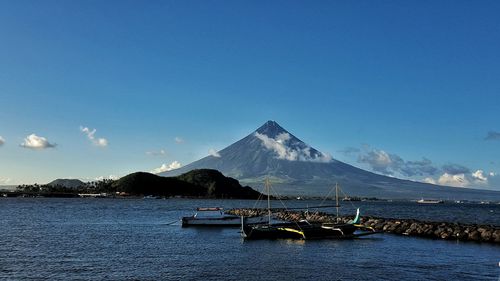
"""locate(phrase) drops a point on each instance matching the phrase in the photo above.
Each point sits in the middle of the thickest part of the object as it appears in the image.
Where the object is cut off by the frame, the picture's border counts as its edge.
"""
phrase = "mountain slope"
(68, 183)
(295, 168)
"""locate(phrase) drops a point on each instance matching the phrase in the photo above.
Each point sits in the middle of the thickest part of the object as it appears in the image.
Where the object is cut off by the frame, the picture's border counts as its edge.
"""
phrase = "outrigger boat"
(305, 230)
(216, 217)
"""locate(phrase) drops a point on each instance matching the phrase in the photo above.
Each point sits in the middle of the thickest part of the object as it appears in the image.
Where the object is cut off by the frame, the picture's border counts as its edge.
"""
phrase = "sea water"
(141, 239)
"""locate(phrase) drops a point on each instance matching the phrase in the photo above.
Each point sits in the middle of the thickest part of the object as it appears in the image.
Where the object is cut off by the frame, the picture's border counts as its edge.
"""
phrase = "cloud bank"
(457, 180)
(475, 179)
(35, 142)
(2, 140)
(286, 150)
(101, 142)
(164, 167)
(461, 176)
(179, 140)
(393, 165)
(450, 174)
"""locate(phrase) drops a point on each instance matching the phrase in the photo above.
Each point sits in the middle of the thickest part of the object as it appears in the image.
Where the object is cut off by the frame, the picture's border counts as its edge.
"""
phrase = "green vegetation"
(56, 190)
(202, 183)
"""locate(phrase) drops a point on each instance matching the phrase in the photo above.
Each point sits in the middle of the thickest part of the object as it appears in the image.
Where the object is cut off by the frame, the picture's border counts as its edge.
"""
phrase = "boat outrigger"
(215, 216)
(305, 230)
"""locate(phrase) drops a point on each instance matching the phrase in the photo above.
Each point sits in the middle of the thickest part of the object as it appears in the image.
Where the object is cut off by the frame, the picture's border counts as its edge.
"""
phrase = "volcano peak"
(297, 168)
(271, 129)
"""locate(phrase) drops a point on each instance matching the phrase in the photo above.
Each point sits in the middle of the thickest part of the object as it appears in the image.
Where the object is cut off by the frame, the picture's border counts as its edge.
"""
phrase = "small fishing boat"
(215, 216)
(304, 229)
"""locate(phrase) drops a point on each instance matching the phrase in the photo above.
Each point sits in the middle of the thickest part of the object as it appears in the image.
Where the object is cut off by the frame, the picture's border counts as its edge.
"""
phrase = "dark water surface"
(131, 239)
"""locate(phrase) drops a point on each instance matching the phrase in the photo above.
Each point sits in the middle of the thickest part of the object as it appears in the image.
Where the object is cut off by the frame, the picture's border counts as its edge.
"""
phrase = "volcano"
(297, 169)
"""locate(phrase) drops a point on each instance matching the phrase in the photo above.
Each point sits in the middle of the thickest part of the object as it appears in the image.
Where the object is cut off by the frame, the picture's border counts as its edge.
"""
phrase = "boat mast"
(268, 201)
(337, 200)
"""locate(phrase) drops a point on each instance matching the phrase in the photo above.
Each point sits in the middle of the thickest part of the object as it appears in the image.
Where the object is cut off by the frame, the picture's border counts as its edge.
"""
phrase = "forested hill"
(196, 183)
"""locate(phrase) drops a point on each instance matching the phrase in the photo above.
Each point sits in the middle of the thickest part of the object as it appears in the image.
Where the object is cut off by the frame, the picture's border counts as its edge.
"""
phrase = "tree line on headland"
(201, 183)
(100, 186)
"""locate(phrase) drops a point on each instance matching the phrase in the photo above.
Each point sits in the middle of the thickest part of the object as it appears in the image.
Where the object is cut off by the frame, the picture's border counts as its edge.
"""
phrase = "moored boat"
(306, 230)
(428, 201)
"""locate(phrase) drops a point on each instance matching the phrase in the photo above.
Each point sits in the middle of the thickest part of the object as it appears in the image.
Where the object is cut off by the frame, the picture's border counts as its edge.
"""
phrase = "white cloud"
(379, 160)
(476, 179)
(2, 141)
(277, 146)
(35, 142)
(213, 152)
(110, 177)
(283, 137)
(292, 152)
(101, 142)
(429, 180)
(480, 176)
(164, 167)
(5, 180)
(458, 180)
(392, 164)
(179, 140)
(161, 152)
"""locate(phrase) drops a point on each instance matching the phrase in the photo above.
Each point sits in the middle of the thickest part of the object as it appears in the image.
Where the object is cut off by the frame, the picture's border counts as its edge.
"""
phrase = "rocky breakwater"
(439, 230)
(409, 227)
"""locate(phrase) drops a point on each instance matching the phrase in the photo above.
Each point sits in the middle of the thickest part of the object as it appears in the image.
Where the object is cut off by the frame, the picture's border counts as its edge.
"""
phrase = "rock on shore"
(409, 227)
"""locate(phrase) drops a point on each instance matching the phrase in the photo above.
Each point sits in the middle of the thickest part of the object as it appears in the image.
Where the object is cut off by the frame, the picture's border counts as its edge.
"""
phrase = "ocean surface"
(141, 239)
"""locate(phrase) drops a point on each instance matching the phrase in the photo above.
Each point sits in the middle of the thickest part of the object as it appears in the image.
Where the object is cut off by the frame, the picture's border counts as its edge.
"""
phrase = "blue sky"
(383, 85)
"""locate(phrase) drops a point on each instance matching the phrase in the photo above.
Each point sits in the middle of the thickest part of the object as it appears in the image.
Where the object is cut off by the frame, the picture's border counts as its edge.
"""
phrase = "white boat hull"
(422, 201)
